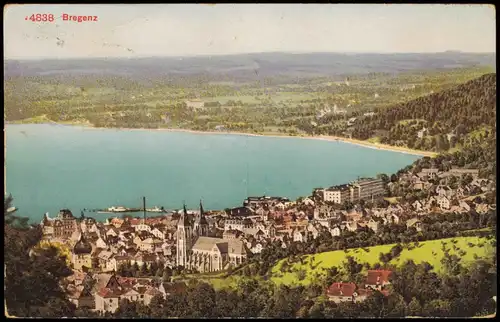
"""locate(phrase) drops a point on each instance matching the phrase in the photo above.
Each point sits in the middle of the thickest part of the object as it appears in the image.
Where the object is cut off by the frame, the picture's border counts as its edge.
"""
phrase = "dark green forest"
(461, 110)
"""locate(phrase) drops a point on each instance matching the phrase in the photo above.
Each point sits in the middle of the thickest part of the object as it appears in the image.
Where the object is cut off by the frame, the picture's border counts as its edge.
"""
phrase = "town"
(136, 258)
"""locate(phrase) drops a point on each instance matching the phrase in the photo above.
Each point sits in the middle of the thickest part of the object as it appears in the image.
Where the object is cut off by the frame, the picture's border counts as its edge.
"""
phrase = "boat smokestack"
(144, 207)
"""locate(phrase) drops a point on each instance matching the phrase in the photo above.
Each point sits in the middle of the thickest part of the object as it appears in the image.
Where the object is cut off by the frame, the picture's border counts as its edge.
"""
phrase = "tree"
(159, 271)
(352, 268)
(143, 271)
(414, 308)
(384, 177)
(135, 269)
(32, 281)
(126, 309)
(316, 311)
(157, 307)
(201, 301)
(153, 268)
(376, 305)
(227, 303)
(167, 274)
(332, 275)
(437, 308)
(301, 274)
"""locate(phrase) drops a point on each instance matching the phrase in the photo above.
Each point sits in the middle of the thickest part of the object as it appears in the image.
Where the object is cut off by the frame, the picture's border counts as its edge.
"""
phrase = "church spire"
(200, 219)
(184, 220)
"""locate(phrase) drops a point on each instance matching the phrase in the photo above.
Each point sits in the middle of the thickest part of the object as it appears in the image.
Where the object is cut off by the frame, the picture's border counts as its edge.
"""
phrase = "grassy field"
(429, 251)
(218, 281)
(374, 139)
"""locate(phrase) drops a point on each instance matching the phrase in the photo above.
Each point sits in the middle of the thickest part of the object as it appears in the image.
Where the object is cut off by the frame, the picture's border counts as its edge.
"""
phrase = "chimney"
(144, 207)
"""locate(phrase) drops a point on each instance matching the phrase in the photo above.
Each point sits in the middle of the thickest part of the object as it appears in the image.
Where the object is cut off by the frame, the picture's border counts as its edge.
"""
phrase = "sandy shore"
(366, 144)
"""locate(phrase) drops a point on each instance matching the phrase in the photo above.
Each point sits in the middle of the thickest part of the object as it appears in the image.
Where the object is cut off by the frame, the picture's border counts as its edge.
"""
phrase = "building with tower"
(82, 254)
(197, 250)
(62, 227)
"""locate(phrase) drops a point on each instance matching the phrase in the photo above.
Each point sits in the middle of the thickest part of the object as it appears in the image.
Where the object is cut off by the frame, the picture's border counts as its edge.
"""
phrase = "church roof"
(206, 243)
(225, 246)
(236, 247)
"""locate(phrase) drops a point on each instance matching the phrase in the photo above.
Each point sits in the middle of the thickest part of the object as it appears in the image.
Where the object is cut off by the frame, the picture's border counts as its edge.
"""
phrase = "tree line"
(461, 110)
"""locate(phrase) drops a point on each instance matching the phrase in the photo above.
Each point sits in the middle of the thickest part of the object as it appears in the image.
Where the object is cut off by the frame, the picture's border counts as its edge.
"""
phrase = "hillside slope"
(462, 110)
(315, 265)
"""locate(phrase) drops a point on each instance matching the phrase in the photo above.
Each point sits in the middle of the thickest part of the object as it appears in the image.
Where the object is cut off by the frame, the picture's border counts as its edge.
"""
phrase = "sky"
(142, 30)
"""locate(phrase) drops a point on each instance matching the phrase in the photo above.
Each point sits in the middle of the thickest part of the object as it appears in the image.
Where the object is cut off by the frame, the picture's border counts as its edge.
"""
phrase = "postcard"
(249, 160)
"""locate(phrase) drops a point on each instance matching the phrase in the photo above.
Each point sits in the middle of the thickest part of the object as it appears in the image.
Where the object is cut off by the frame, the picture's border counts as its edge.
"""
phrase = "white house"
(464, 205)
(158, 234)
(147, 245)
(417, 205)
(257, 248)
(308, 201)
(106, 261)
(143, 227)
(414, 222)
(313, 230)
(335, 231)
(112, 231)
(195, 104)
(299, 236)
(100, 243)
(279, 205)
(443, 202)
(444, 191)
(421, 133)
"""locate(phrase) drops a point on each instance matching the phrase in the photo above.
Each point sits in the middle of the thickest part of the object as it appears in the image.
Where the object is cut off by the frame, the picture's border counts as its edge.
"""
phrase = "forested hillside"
(463, 111)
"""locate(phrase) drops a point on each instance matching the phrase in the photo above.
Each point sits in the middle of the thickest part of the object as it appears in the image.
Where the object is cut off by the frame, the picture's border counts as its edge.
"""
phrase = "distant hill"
(463, 110)
(245, 67)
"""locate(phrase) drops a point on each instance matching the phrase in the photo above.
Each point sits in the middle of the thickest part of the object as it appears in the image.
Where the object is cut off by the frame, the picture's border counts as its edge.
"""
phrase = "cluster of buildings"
(444, 196)
(376, 280)
(201, 241)
(103, 292)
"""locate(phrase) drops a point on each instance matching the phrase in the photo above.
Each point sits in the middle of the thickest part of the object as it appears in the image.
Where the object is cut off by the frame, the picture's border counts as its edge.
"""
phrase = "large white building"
(337, 194)
(367, 189)
(196, 103)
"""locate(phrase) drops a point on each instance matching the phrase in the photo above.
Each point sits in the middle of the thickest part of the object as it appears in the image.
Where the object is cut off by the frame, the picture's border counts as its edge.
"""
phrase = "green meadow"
(429, 251)
(316, 265)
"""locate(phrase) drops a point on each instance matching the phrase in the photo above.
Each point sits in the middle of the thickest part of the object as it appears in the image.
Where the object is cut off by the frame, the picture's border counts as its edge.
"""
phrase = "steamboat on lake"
(121, 209)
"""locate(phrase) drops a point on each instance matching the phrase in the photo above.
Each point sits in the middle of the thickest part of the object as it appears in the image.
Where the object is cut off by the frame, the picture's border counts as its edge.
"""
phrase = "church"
(199, 251)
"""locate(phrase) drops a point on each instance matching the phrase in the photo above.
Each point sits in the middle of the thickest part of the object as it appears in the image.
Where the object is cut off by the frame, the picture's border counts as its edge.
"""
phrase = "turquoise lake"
(50, 167)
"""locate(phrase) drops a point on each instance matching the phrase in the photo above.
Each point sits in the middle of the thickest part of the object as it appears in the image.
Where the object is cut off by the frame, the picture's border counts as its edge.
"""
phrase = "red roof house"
(346, 292)
(377, 279)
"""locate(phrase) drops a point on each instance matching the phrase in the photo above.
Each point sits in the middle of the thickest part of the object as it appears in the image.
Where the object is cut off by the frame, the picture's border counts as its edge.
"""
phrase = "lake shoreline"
(366, 144)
